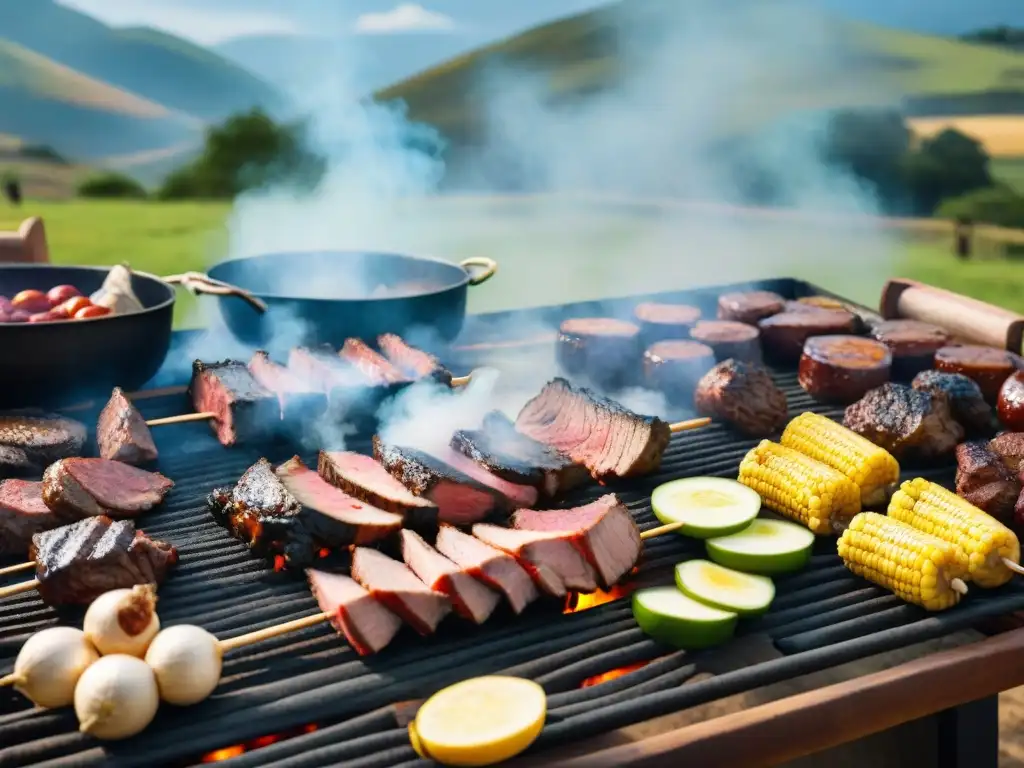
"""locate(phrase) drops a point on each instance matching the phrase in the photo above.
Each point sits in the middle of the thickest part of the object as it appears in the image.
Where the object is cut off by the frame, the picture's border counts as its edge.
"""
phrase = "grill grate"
(821, 617)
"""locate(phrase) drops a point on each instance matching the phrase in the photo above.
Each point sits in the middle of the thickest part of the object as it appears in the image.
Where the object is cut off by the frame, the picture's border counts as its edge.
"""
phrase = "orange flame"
(612, 674)
(235, 750)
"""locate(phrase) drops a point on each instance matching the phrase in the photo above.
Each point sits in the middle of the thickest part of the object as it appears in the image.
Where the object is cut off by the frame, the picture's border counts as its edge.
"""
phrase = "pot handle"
(488, 267)
(197, 282)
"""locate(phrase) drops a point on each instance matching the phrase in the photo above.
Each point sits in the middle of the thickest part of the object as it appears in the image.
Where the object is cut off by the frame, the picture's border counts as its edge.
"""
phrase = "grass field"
(1010, 170)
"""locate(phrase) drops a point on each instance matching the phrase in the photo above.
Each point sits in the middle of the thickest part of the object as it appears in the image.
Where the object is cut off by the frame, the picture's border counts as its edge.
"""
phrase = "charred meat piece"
(371, 364)
(610, 441)
(31, 440)
(77, 488)
(604, 350)
(985, 481)
(555, 565)
(674, 368)
(743, 395)
(300, 402)
(77, 563)
(603, 531)
(749, 307)
(460, 499)
(1009, 446)
(659, 322)
(906, 422)
(729, 340)
(495, 568)
(396, 587)
(350, 396)
(22, 515)
(414, 363)
(511, 455)
(987, 366)
(513, 494)
(122, 434)
(841, 369)
(965, 400)
(365, 479)
(913, 345)
(244, 408)
(783, 335)
(469, 597)
(366, 624)
(1010, 405)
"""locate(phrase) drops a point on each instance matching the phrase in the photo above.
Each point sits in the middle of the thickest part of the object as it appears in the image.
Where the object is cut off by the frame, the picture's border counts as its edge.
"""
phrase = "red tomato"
(45, 317)
(61, 293)
(91, 311)
(31, 301)
(71, 306)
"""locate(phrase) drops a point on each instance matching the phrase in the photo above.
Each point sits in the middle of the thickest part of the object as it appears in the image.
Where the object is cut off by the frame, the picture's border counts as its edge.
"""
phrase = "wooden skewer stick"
(17, 589)
(684, 426)
(958, 585)
(1015, 567)
(271, 632)
(17, 568)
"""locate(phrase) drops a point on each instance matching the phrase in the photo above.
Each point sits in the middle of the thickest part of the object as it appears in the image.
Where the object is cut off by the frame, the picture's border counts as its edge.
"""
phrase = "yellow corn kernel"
(799, 487)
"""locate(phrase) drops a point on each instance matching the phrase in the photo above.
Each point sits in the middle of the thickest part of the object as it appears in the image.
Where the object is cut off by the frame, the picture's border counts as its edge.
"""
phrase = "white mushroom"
(186, 661)
(123, 621)
(50, 664)
(116, 698)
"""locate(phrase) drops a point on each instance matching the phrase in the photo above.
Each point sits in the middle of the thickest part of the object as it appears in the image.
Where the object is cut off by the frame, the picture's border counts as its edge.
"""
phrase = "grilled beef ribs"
(414, 363)
(550, 558)
(396, 587)
(984, 480)
(469, 597)
(966, 400)
(360, 476)
(77, 563)
(22, 515)
(244, 408)
(906, 422)
(300, 402)
(603, 531)
(604, 350)
(31, 440)
(122, 434)
(376, 368)
(610, 441)
(745, 396)
(492, 566)
(77, 488)
(367, 625)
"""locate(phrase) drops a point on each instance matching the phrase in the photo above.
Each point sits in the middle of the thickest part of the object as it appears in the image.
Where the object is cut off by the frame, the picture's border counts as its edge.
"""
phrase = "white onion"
(116, 697)
(186, 660)
(123, 621)
(49, 665)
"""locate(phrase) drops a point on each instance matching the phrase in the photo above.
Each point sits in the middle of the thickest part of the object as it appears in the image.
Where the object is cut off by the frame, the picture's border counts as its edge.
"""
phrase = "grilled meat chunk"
(745, 396)
(604, 350)
(906, 422)
(122, 434)
(300, 402)
(985, 365)
(351, 397)
(603, 531)
(674, 368)
(77, 488)
(1009, 446)
(610, 441)
(966, 401)
(244, 408)
(367, 625)
(913, 345)
(984, 480)
(783, 335)
(841, 369)
(660, 322)
(469, 597)
(77, 563)
(550, 558)
(512, 494)
(396, 587)
(376, 368)
(31, 440)
(495, 568)
(749, 306)
(414, 363)
(22, 515)
(729, 340)
(360, 476)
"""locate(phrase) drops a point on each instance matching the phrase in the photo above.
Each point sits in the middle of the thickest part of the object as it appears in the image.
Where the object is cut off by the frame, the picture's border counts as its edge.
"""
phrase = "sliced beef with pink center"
(374, 366)
(515, 494)
(22, 515)
(299, 400)
(244, 409)
(553, 562)
(470, 598)
(493, 567)
(366, 623)
(414, 363)
(359, 475)
(396, 587)
(77, 488)
(122, 433)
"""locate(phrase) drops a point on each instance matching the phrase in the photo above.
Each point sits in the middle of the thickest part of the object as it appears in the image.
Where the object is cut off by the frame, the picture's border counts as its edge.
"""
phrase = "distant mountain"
(933, 17)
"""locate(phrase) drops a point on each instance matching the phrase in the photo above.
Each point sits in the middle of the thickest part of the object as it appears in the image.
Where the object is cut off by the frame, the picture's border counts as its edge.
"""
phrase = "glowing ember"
(263, 741)
(611, 675)
(279, 563)
(576, 602)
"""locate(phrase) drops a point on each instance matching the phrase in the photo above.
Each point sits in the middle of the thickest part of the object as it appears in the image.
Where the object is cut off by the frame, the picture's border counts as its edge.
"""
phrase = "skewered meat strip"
(360, 476)
(396, 587)
(31, 440)
(76, 488)
(469, 597)
(744, 395)
(905, 421)
(244, 408)
(367, 625)
(22, 515)
(377, 369)
(984, 480)
(77, 563)
(414, 363)
(122, 433)
(966, 400)
(487, 564)
(350, 395)
(300, 402)
(552, 561)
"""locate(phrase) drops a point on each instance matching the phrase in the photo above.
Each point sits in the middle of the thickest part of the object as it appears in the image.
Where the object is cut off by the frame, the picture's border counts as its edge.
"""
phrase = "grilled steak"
(376, 368)
(604, 350)
(660, 322)
(783, 335)
(841, 369)
(729, 340)
(31, 440)
(22, 515)
(511, 455)
(610, 441)
(360, 476)
(367, 625)
(351, 398)
(749, 306)
(550, 558)
(906, 422)
(300, 402)
(966, 401)
(77, 563)
(513, 494)
(1009, 446)
(469, 597)
(674, 368)
(984, 480)
(414, 363)
(77, 488)
(460, 499)
(603, 531)
(245, 409)
(396, 587)
(122, 434)
(913, 345)
(985, 365)
(745, 396)
(495, 568)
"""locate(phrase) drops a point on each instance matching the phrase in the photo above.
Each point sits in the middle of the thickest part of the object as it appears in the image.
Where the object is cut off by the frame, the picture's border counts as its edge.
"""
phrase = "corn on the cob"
(799, 487)
(872, 469)
(980, 540)
(916, 567)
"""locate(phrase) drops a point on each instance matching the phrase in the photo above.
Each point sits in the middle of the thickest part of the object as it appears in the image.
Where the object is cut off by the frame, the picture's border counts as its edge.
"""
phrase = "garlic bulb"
(123, 621)
(186, 661)
(116, 698)
(49, 665)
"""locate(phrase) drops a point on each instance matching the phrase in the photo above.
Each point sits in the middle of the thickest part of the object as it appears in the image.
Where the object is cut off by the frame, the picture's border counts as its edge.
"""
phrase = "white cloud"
(407, 17)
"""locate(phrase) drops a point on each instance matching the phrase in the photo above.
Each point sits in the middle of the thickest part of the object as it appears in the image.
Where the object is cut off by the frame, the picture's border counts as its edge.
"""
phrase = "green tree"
(111, 185)
(948, 165)
(1000, 205)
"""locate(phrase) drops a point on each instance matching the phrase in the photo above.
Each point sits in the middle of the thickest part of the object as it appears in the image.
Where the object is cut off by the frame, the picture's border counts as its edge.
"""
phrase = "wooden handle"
(197, 282)
(17, 589)
(182, 419)
(966, 319)
(684, 426)
(461, 381)
(17, 568)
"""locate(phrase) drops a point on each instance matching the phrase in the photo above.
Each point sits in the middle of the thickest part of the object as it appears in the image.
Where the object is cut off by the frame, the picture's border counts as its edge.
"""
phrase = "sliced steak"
(350, 396)
(77, 563)
(300, 402)
(414, 363)
(244, 408)
(22, 515)
(966, 400)
(122, 434)
(31, 440)
(469, 597)
(906, 422)
(985, 481)
(492, 566)
(77, 488)
(366, 624)
(360, 476)
(550, 558)
(745, 396)
(514, 494)
(396, 587)
(376, 368)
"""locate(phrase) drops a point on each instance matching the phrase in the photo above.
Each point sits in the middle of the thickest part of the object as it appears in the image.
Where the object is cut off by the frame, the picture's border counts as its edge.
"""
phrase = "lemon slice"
(706, 506)
(481, 721)
(725, 588)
